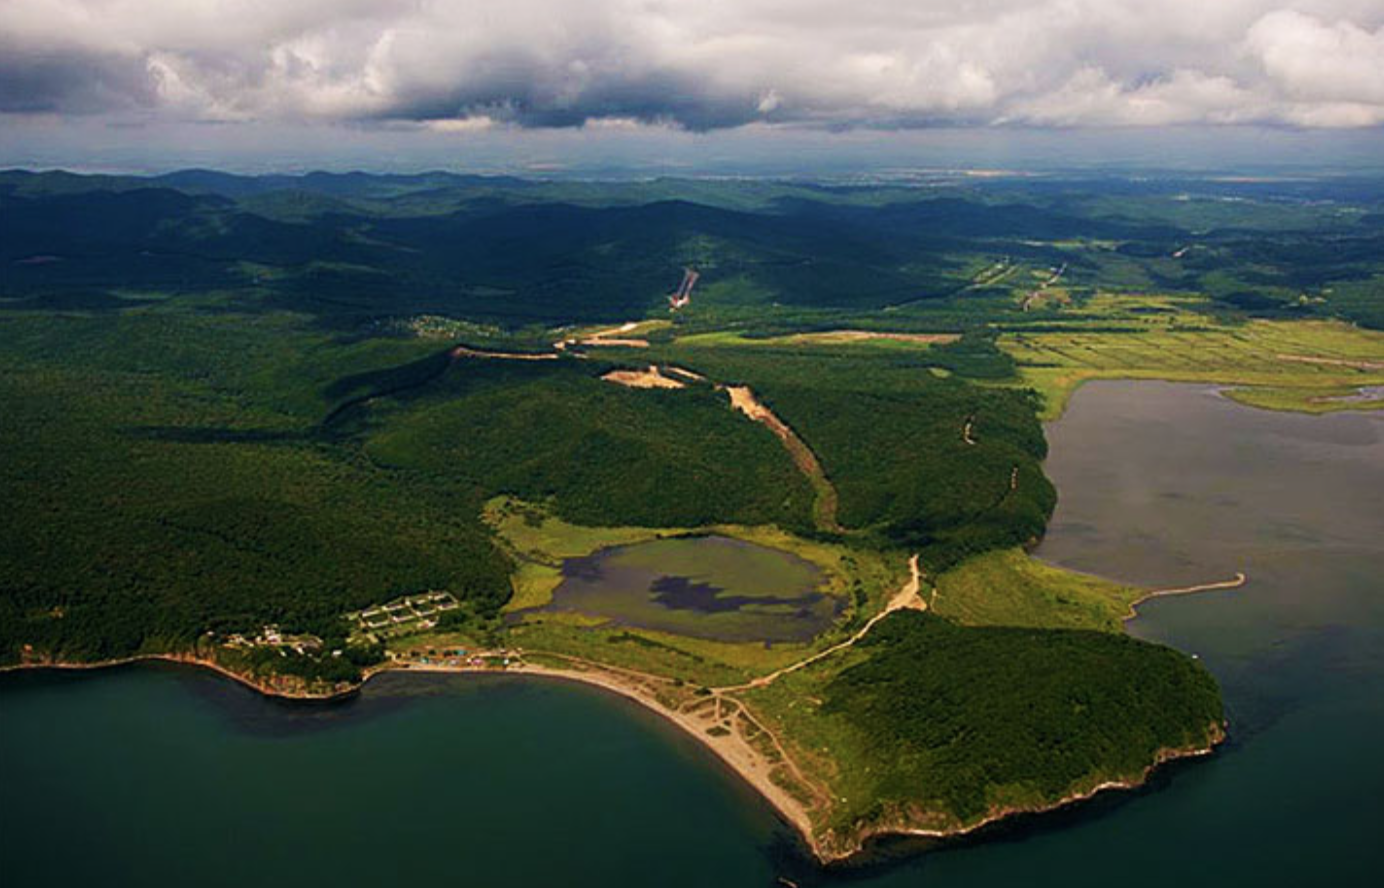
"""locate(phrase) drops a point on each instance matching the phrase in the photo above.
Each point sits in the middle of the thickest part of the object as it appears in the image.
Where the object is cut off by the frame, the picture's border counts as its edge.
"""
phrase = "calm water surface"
(147, 776)
(702, 586)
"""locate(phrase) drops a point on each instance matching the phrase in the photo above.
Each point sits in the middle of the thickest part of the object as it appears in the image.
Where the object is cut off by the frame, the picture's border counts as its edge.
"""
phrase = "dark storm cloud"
(700, 64)
(82, 84)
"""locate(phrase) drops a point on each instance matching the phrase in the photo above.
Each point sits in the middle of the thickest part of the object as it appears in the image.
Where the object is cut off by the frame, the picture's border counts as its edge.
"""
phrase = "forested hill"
(516, 252)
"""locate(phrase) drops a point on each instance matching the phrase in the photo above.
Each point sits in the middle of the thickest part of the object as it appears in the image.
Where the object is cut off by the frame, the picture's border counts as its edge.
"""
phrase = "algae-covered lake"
(710, 586)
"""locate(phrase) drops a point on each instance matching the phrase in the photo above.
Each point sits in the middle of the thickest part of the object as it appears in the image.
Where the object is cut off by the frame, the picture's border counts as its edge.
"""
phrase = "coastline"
(1161, 757)
(253, 684)
(732, 749)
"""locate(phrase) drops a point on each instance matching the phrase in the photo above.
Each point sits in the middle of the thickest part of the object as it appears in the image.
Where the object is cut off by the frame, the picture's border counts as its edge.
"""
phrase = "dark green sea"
(161, 775)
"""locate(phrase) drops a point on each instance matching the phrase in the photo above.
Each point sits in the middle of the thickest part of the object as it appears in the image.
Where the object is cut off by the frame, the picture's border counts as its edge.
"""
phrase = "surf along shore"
(714, 717)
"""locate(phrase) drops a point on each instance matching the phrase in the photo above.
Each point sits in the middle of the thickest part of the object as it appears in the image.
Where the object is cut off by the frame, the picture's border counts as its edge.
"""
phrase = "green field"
(1299, 361)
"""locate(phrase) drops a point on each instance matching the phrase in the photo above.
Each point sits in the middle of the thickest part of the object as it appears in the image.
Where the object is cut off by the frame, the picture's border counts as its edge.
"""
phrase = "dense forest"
(919, 461)
(346, 248)
(603, 454)
(220, 412)
(960, 719)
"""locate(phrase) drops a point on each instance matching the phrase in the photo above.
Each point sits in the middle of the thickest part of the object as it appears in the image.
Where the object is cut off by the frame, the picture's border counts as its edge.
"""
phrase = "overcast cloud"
(701, 64)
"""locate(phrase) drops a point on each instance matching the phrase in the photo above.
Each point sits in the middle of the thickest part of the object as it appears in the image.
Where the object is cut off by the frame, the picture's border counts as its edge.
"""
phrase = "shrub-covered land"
(232, 402)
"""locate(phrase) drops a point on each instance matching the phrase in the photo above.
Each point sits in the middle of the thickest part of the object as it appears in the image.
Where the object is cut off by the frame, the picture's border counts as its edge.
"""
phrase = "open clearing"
(1326, 358)
(1009, 588)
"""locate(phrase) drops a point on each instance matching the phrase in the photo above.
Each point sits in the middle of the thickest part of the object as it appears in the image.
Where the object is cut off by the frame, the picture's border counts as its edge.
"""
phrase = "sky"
(668, 85)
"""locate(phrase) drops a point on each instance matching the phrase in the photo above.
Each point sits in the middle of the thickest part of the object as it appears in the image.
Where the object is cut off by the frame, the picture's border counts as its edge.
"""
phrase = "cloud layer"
(704, 64)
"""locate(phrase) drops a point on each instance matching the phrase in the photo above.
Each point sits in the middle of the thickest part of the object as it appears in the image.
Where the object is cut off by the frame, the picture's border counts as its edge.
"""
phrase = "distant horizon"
(558, 154)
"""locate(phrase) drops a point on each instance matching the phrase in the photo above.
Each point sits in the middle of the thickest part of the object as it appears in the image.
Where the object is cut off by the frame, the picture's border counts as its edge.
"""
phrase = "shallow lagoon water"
(145, 776)
(704, 586)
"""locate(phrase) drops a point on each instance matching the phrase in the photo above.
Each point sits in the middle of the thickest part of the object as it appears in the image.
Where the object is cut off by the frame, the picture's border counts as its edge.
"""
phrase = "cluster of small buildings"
(411, 612)
(271, 636)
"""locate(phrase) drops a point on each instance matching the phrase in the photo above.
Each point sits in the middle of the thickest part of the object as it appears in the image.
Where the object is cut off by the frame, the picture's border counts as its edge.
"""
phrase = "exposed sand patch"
(824, 508)
(645, 379)
(602, 342)
(619, 337)
(687, 374)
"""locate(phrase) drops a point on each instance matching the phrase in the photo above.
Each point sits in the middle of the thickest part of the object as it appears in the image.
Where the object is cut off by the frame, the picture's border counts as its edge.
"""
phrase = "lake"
(703, 586)
(149, 775)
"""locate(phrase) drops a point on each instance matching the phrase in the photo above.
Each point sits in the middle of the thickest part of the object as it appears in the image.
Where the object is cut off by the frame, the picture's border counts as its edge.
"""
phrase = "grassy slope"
(215, 410)
(1009, 588)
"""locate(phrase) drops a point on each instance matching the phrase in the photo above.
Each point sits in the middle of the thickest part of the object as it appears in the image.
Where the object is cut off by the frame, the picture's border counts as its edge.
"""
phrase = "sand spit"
(1234, 582)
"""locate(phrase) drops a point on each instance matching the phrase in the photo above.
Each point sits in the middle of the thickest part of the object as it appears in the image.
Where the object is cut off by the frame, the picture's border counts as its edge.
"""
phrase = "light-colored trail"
(462, 351)
(907, 598)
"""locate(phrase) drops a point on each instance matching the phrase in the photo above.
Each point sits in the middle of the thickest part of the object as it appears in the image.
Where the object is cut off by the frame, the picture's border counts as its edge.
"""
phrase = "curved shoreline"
(246, 681)
(788, 809)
